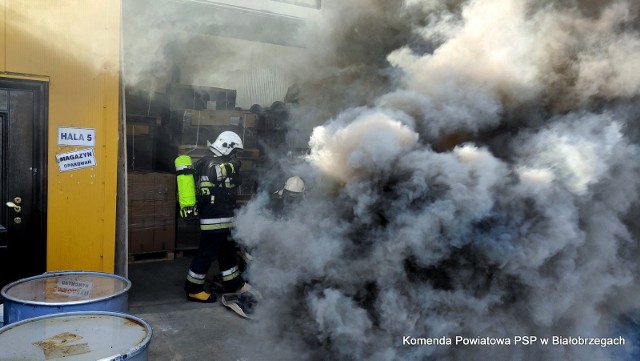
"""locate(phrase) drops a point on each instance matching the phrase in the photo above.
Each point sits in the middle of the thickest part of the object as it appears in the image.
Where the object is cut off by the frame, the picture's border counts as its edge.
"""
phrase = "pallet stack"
(151, 214)
(144, 120)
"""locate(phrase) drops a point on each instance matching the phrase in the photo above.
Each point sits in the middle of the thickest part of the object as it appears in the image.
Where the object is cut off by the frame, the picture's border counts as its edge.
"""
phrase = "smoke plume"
(473, 172)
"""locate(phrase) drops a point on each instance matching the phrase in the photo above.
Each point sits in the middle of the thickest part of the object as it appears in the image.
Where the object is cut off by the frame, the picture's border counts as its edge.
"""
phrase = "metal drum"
(59, 292)
(77, 336)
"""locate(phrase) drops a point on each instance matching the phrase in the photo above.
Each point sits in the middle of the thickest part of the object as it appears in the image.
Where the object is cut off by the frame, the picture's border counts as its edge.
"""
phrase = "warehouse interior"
(210, 66)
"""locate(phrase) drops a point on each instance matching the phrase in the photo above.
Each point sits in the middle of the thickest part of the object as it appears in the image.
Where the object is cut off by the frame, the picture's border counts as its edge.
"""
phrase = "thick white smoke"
(484, 186)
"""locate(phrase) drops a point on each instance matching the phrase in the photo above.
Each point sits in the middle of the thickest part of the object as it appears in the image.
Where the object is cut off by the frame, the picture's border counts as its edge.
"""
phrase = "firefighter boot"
(203, 297)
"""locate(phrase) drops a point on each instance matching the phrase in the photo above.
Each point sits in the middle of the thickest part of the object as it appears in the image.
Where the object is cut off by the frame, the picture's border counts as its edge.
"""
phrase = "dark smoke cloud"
(208, 43)
(473, 172)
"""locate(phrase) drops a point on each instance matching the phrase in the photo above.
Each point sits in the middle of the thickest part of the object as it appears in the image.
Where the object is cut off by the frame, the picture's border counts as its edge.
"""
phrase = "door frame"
(39, 161)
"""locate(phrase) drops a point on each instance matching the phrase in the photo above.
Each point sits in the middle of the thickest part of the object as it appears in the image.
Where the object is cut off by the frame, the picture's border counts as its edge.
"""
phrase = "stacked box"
(200, 97)
(151, 211)
(140, 146)
(198, 126)
(298, 140)
(145, 104)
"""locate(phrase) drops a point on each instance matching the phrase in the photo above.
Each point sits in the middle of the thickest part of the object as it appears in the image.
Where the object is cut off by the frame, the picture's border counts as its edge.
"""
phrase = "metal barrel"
(77, 336)
(59, 292)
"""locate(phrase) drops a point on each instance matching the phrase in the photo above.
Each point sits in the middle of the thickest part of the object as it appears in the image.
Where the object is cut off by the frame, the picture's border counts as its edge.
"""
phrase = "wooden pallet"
(151, 256)
(186, 252)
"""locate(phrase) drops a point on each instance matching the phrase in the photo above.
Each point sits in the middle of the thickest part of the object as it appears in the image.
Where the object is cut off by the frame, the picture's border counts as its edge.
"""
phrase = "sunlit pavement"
(182, 330)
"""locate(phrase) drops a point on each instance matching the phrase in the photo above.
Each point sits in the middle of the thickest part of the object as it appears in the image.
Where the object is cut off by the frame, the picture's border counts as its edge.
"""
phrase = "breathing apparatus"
(186, 187)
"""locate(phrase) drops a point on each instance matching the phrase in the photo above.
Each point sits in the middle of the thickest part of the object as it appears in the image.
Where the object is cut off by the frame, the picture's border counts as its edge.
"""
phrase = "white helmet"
(226, 142)
(293, 186)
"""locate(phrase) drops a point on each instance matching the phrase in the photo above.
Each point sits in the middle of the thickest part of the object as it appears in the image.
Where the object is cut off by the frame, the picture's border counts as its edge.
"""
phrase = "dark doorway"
(23, 178)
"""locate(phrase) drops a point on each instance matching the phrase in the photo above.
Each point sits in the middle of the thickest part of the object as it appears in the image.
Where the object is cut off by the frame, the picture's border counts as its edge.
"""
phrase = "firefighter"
(218, 178)
(291, 193)
(285, 200)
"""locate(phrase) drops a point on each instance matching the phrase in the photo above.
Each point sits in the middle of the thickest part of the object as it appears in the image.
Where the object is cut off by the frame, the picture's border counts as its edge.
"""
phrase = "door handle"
(15, 207)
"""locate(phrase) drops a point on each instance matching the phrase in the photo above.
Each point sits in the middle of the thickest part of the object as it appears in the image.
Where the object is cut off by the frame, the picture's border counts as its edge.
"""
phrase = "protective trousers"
(214, 245)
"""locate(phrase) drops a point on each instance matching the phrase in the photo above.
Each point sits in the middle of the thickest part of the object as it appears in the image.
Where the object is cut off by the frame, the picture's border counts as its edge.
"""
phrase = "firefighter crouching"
(217, 179)
(291, 194)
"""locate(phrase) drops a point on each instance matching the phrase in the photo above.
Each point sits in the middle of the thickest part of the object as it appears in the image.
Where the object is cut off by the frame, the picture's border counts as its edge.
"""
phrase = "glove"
(231, 169)
(236, 163)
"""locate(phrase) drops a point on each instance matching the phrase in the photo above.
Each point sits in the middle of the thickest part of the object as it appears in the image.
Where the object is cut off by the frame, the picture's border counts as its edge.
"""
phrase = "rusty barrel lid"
(76, 336)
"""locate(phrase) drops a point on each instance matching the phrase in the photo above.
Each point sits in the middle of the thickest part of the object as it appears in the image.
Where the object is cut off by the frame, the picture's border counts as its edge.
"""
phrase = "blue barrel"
(78, 336)
(59, 292)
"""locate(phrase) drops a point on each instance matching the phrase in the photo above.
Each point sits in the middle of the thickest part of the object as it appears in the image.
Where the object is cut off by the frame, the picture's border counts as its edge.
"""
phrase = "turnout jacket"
(217, 179)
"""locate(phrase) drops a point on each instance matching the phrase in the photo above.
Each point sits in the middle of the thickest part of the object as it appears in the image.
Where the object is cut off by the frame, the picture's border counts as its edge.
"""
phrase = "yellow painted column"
(76, 44)
(3, 17)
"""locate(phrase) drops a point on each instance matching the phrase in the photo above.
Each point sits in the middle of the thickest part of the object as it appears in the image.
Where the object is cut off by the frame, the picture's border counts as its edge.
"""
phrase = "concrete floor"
(183, 330)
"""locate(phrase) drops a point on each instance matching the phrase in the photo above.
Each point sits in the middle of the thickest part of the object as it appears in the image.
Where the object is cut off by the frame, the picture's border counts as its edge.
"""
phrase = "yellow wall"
(75, 44)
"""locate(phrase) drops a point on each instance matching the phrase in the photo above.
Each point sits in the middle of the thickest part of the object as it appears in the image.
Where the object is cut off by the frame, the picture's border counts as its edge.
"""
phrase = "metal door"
(23, 178)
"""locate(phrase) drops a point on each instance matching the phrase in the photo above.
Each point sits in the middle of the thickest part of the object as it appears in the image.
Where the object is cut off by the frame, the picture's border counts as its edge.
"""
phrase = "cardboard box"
(181, 96)
(250, 157)
(148, 185)
(200, 134)
(151, 211)
(140, 149)
(164, 238)
(141, 241)
(142, 103)
(237, 118)
(198, 126)
(138, 129)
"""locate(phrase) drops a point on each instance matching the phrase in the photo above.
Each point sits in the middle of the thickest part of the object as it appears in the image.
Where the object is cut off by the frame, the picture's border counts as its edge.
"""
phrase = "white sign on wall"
(77, 136)
(75, 160)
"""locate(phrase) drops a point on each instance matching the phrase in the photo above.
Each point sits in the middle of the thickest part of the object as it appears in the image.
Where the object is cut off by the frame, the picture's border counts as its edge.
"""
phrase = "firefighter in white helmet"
(294, 186)
(218, 178)
(291, 194)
